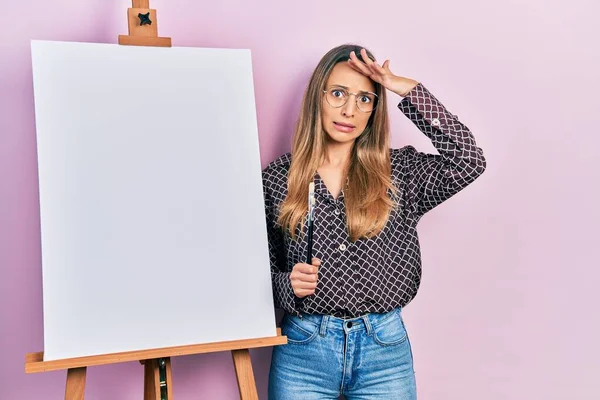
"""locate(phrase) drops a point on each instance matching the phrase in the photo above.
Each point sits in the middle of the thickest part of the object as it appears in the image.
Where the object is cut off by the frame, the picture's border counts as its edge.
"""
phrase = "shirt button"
(435, 122)
(342, 247)
(337, 211)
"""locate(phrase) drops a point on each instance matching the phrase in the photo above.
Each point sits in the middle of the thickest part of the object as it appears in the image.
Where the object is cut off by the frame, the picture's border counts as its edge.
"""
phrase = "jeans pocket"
(391, 332)
(298, 331)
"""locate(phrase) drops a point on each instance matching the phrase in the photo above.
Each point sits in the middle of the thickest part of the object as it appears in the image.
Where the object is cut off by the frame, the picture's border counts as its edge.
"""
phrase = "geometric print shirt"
(383, 272)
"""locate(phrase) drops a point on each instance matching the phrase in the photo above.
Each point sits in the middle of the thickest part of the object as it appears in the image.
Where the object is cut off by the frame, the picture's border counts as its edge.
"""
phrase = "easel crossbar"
(34, 362)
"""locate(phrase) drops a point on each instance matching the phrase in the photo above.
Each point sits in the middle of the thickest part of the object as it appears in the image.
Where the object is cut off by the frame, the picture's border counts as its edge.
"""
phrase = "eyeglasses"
(338, 96)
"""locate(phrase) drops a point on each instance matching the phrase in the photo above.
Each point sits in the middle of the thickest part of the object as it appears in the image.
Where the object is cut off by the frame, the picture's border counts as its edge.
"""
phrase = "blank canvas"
(152, 214)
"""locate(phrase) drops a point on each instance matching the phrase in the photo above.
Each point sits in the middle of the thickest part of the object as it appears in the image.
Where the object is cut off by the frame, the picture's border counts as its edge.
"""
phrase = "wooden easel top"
(143, 34)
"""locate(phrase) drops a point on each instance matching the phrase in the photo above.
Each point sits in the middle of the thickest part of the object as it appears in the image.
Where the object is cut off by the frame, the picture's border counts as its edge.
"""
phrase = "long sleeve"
(435, 178)
(282, 288)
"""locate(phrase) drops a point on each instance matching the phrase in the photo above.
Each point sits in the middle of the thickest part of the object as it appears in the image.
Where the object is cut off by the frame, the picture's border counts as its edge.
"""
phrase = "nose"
(349, 108)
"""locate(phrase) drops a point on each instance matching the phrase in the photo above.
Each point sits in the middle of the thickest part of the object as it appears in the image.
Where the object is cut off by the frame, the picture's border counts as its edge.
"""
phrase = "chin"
(339, 137)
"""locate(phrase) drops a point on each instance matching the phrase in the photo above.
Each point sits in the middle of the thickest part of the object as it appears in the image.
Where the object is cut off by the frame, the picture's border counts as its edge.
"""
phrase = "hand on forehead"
(344, 76)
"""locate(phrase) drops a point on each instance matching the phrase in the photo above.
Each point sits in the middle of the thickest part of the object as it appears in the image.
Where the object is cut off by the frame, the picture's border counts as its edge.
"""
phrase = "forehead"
(343, 75)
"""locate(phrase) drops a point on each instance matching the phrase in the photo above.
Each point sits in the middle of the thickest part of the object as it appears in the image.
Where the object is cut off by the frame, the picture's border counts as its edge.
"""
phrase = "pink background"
(508, 306)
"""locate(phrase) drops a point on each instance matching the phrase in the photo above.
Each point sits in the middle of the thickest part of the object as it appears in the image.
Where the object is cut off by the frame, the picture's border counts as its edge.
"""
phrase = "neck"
(337, 154)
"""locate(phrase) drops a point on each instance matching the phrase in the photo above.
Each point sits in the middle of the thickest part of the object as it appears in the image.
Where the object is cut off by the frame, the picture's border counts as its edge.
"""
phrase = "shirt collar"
(322, 191)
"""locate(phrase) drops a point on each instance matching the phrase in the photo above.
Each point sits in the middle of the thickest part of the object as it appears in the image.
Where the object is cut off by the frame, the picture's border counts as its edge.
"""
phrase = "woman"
(343, 313)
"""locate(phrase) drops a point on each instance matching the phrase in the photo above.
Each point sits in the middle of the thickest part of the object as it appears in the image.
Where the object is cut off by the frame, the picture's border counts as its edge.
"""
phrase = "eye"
(365, 99)
(338, 93)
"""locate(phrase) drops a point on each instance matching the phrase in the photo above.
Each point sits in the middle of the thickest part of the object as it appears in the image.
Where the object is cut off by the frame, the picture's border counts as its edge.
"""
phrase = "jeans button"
(349, 324)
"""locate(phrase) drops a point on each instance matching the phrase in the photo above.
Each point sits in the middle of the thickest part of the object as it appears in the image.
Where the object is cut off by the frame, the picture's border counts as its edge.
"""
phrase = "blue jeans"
(367, 357)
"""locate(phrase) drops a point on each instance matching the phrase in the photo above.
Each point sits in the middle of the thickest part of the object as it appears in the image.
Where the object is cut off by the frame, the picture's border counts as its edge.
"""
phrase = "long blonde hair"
(368, 174)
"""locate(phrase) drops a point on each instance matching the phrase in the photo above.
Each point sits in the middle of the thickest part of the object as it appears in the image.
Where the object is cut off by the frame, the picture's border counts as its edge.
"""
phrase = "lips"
(343, 127)
(344, 124)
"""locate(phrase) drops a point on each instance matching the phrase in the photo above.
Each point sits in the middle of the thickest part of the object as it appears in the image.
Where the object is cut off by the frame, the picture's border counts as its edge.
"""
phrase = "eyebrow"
(347, 88)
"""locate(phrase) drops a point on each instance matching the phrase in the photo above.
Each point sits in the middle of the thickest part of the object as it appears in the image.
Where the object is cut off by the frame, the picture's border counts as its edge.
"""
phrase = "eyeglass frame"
(355, 98)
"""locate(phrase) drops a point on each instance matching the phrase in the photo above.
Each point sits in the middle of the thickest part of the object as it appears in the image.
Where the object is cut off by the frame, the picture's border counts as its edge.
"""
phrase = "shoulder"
(278, 167)
(275, 174)
(406, 160)
(401, 156)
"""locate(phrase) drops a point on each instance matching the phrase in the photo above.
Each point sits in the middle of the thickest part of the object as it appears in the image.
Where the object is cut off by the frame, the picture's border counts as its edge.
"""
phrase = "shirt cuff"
(427, 105)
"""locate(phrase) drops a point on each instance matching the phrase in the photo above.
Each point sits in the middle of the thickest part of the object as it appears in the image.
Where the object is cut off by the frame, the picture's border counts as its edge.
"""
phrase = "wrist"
(404, 86)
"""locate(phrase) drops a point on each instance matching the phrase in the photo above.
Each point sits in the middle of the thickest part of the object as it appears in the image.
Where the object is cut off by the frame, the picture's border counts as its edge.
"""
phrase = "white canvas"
(152, 215)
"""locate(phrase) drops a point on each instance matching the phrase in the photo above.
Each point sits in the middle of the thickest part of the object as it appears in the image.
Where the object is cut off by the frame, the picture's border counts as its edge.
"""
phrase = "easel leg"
(75, 383)
(156, 388)
(151, 385)
(169, 379)
(245, 375)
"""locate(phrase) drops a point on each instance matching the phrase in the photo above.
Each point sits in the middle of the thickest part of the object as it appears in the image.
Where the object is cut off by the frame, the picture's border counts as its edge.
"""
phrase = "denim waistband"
(367, 322)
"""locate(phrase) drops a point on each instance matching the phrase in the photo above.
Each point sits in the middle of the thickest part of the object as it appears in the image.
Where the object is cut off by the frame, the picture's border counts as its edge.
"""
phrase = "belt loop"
(365, 318)
(323, 328)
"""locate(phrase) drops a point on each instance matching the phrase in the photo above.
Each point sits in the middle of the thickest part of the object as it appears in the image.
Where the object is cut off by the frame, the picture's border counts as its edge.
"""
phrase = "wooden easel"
(143, 28)
(152, 360)
(143, 31)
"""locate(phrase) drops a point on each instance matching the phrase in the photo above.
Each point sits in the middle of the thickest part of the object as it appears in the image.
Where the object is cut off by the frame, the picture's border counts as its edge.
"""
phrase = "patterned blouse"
(383, 272)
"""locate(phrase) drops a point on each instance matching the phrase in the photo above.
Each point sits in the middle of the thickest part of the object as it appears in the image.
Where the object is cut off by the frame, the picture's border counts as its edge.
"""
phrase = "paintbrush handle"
(310, 242)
